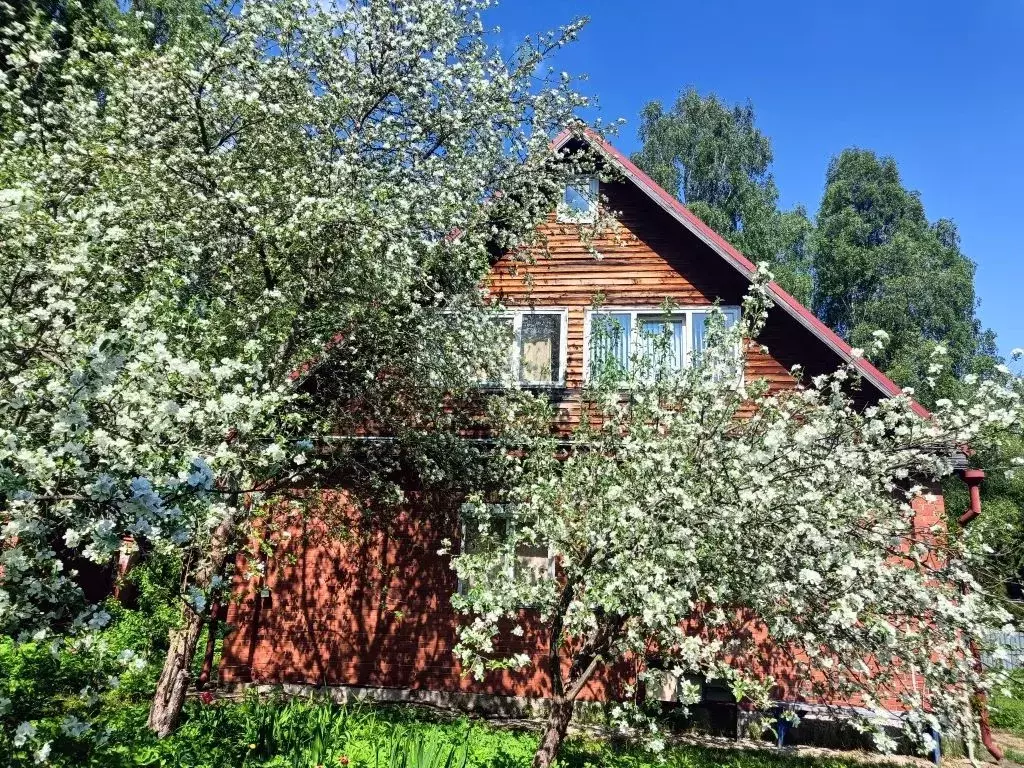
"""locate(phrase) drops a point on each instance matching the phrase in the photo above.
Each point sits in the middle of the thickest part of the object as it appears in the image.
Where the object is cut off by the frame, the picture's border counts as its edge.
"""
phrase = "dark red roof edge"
(740, 262)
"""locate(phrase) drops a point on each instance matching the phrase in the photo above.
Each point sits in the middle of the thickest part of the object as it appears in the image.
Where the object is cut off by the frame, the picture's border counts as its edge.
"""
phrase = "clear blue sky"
(939, 85)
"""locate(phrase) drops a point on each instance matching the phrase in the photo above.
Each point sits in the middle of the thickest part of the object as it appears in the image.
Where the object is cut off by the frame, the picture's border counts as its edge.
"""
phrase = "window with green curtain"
(610, 341)
(661, 340)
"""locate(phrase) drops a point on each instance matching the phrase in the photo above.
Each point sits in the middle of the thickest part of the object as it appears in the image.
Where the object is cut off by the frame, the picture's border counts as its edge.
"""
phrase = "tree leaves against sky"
(715, 159)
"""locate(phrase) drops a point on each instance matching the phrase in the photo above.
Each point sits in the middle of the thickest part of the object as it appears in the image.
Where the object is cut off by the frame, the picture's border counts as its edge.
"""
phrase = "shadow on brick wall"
(361, 597)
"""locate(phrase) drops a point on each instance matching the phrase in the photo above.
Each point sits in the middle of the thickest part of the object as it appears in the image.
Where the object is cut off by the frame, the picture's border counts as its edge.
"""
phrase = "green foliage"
(1008, 715)
(303, 732)
(715, 159)
(1007, 712)
(278, 733)
(1001, 524)
(409, 749)
(62, 686)
(880, 265)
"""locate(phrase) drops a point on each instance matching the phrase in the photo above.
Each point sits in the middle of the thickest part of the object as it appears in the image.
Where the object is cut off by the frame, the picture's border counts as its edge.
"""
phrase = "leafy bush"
(409, 749)
(275, 732)
(71, 693)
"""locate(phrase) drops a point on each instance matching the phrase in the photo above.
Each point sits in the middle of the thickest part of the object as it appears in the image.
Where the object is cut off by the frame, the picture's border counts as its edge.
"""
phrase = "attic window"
(627, 338)
(579, 203)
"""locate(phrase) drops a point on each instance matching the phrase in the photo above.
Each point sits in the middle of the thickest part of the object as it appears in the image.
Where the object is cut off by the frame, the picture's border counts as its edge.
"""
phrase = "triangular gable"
(736, 260)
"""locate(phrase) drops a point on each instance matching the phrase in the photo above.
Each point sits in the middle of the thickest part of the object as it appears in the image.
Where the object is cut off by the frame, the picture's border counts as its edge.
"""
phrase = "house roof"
(735, 259)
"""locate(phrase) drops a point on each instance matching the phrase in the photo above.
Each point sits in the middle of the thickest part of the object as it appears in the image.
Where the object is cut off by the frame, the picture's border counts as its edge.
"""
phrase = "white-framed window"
(579, 201)
(535, 560)
(628, 335)
(538, 340)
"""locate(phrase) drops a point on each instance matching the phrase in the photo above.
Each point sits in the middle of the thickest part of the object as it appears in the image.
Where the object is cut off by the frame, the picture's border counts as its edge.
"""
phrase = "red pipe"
(973, 478)
(982, 701)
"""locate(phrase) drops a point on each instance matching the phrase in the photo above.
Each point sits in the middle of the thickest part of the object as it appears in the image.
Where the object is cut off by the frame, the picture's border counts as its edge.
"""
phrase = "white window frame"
(567, 216)
(499, 511)
(653, 312)
(515, 354)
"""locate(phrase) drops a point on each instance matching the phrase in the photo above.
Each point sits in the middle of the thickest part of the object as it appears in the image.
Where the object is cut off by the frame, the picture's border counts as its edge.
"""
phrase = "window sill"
(522, 385)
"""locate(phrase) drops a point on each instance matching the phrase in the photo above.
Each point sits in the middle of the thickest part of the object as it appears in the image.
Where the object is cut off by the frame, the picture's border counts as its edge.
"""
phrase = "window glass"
(645, 342)
(700, 320)
(540, 341)
(661, 341)
(609, 341)
(476, 540)
(532, 560)
(580, 201)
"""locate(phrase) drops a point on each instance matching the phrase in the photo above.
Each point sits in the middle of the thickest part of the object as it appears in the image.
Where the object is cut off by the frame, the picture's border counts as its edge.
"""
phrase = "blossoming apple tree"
(190, 230)
(703, 526)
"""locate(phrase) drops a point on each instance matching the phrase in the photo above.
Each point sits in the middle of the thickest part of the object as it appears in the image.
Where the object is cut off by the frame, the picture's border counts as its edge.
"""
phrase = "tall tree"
(713, 157)
(880, 265)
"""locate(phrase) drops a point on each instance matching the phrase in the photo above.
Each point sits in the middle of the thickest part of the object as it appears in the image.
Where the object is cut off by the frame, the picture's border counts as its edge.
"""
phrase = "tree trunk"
(554, 735)
(169, 697)
(211, 647)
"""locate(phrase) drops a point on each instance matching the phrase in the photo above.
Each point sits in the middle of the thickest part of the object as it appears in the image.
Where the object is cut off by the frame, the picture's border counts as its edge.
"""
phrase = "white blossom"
(171, 281)
(693, 522)
(42, 754)
(23, 733)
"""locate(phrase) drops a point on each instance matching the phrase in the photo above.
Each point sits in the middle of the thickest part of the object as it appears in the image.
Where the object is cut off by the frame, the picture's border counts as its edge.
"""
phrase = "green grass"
(1008, 711)
(1008, 715)
(302, 734)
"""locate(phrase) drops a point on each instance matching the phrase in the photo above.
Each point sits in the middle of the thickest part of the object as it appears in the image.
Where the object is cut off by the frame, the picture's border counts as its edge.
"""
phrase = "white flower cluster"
(313, 188)
(704, 524)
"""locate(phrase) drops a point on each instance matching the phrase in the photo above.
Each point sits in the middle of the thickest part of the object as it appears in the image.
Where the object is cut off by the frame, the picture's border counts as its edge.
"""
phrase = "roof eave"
(738, 261)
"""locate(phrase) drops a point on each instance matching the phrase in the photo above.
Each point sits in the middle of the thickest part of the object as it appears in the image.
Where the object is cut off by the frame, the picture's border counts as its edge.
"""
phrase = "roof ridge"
(734, 257)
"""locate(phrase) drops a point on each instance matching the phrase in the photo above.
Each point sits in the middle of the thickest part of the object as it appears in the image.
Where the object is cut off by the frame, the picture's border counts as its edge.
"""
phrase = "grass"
(306, 734)
(1008, 711)
(1008, 715)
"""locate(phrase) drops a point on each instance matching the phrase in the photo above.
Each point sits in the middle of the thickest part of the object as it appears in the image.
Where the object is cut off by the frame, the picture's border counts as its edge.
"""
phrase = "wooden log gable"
(657, 254)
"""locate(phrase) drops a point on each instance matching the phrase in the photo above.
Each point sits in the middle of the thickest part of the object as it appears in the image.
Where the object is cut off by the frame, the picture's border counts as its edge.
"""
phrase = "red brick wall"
(930, 513)
(369, 606)
(359, 605)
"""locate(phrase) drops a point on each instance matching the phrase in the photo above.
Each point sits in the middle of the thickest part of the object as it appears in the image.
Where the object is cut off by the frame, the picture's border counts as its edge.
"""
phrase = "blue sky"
(939, 85)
